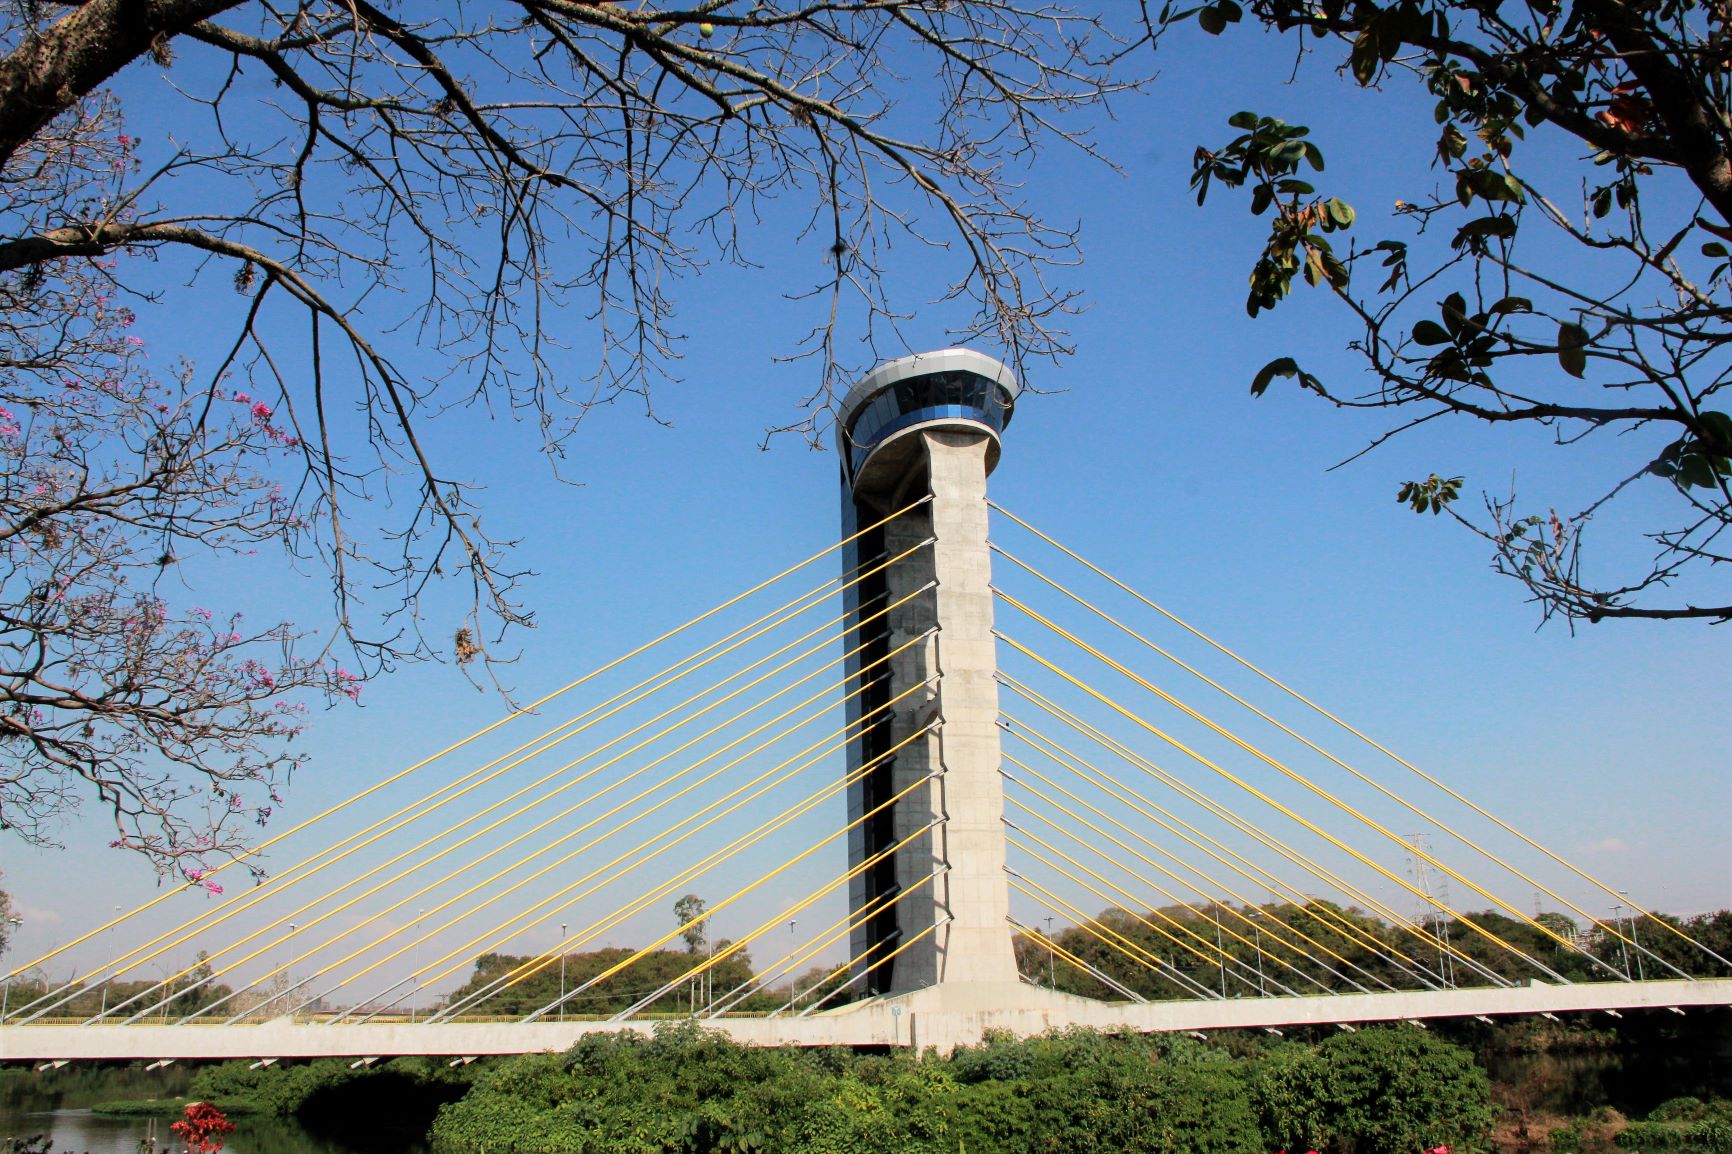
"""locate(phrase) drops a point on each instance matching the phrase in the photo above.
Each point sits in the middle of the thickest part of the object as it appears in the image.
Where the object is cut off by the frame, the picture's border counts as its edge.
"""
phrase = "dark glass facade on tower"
(943, 396)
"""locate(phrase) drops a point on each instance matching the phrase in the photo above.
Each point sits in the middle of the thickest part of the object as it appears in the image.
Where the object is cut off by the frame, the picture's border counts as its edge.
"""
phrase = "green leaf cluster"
(1432, 495)
(1625, 86)
(1702, 458)
(1268, 156)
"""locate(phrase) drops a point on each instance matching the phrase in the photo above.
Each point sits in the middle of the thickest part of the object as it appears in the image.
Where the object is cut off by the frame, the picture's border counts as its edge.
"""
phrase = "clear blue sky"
(1146, 453)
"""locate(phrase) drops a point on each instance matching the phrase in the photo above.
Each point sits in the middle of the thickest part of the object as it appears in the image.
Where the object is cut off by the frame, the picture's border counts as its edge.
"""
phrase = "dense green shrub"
(1708, 1136)
(686, 1092)
(1687, 1125)
(1390, 1090)
(1079, 1091)
(684, 1089)
(1679, 1110)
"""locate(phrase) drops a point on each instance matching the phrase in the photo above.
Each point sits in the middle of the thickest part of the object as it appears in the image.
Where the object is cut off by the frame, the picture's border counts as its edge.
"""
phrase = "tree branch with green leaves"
(1602, 314)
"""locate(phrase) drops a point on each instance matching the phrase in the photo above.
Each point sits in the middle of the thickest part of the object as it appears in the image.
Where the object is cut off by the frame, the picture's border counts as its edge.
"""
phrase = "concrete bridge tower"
(927, 425)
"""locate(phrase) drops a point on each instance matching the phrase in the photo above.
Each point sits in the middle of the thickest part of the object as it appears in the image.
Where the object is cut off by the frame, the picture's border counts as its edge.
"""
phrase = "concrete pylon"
(918, 437)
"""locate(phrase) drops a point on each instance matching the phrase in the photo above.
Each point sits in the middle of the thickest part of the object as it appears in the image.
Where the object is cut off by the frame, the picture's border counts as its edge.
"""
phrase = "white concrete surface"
(941, 1018)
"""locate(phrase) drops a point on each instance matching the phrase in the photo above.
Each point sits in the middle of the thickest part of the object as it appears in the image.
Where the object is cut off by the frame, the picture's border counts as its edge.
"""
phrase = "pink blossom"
(261, 412)
(213, 887)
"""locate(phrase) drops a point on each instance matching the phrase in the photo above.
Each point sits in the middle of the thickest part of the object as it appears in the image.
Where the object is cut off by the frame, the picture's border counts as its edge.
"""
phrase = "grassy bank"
(169, 1107)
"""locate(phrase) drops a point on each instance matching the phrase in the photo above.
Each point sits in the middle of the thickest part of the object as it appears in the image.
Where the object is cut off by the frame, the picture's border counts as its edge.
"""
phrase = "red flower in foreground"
(203, 1128)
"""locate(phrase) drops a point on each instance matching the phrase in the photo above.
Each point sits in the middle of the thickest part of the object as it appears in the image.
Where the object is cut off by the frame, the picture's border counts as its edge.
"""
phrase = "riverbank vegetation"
(169, 1107)
(1680, 1126)
(1580, 1085)
(392, 1099)
(1074, 1092)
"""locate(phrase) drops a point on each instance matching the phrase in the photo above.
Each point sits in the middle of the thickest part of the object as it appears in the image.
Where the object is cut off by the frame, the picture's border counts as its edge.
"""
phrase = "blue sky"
(1145, 452)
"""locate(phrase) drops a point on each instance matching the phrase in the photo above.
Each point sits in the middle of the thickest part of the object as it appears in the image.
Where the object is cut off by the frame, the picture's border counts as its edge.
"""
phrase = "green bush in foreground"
(1383, 1090)
(685, 1091)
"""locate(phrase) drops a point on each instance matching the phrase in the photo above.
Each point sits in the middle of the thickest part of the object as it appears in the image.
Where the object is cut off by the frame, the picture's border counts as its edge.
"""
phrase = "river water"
(58, 1102)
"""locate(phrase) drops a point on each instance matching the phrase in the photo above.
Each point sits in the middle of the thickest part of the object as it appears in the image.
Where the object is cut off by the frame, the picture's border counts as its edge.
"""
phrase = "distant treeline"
(1170, 953)
(1177, 951)
(521, 985)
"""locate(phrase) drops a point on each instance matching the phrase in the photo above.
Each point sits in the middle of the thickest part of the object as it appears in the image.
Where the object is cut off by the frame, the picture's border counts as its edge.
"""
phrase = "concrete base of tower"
(991, 997)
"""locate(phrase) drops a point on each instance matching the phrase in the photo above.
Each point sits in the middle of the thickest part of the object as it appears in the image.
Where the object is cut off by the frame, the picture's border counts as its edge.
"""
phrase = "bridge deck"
(942, 1017)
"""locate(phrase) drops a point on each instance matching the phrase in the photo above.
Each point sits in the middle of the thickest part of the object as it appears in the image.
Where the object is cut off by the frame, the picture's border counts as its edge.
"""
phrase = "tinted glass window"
(929, 391)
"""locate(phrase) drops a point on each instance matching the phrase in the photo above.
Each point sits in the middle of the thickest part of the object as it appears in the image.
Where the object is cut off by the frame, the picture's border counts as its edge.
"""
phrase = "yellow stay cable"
(475, 779)
(292, 915)
(1300, 779)
(813, 946)
(452, 748)
(1123, 794)
(590, 824)
(1268, 841)
(1392, 755)
(863, 956)
(1094, 928)
(1219, 952)
(753, 789)
(544, 960)
(785, 965)
(903, 945)
(1367, 779)
(1162, 914)
(1076, 963)
(854, 920)
(542, 825)
(763, 928)
(638, 772)
(1288, 812)
(1150, 862)
(636, 905)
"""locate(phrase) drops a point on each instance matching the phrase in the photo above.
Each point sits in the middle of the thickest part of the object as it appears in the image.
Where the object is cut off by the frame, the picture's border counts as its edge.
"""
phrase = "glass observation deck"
(951, 388)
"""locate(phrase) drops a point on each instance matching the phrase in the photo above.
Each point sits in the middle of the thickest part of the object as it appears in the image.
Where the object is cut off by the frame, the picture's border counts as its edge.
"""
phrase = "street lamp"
(1262, 987)
(6, 994)
(1051, 966)
(1221, 949)
(1623, 946)
(1640, 974)
(414, 961)
(562, 971)
(103, 1012)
